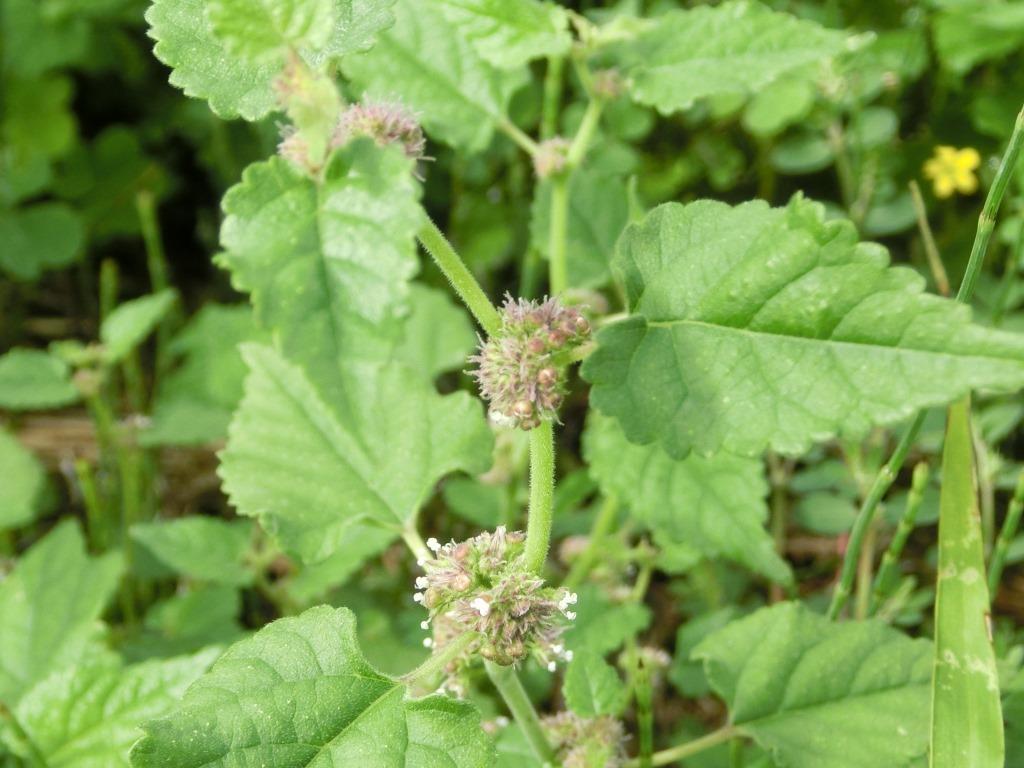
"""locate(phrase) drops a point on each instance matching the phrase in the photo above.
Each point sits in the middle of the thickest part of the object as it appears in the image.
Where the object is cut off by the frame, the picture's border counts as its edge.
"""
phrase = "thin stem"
(432, 667)
(584, 134)
(891, 558)
(96, 525)
(462, 280)
(1013, 261)
(643, 692)
(603, 522)
(156, 264)
(414, 541)
(552, 96)
(1006, 534)
(690, 748)
(528, 145)
(865, 568)
(558, 235)
(519, 704)
(930, 249)
(887, 474)
(844, 170)
(542, 492)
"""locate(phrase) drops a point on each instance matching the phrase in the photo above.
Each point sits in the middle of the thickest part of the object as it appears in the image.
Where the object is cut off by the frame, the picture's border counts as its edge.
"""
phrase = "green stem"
(690, 748)
(435, 665)
(931, 250)
(552, 97)
(156, 263)
(584, 134)
(888, 472)
(1006, 534)
(528, 145)
(93, 510)
(542, 492)
(462, 280)
(519, 704)
(865, 568)
(558, 235)
(415, 543)
(1013, 261)
(603, 523)
(779, 478)
(643, 691)
(891, 558)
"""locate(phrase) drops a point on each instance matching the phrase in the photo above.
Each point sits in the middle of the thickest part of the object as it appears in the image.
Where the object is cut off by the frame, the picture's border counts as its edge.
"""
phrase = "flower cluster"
(384, 122)
(586, 742)
(480, 586)
(551, 157)
(953, 170)
(517, 371)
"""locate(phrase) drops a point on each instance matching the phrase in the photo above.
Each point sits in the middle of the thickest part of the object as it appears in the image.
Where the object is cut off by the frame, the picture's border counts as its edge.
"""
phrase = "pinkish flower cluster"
(586, 742)
(551, 157)
(480, 585)
(518, 373)
(384, 122)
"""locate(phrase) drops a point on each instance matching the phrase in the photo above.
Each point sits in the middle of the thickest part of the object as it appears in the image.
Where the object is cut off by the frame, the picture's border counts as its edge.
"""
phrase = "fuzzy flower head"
(551, 157)
(586, 742)
(480, 585)
(517, 368)
(384, 122)
(953, 170)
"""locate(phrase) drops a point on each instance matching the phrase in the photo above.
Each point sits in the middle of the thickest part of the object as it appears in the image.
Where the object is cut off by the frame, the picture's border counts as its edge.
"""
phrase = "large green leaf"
(299, 693)
(715, 504)
(754, 326)
(202, 66)
(88, 715)
(258, 29)
(735, 48)
(357, 23)
(203, 548)
(508, 33)
(433, 69)
(327, 264)
(819, 694)
(50, 604)
(309, 473)
(31, 379)
(967, 724)
(23, 482)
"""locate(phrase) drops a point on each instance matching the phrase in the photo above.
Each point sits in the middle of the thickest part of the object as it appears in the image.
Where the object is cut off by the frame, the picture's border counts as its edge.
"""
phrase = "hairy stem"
(432, 667)
(542, 492)
(458, 274)
(552, 97)
(1006, 534)
(689, 749)
(891, 558)
(519, 704)
(888, 472)
(643, 692)
(414, 541)
(584, 134)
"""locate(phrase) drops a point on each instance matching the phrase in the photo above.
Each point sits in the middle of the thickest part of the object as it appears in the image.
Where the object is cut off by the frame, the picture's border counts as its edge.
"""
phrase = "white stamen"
(424, 624)
(417, 597)
(481, 606)
(570, 615)
(421, 562)
(433, 544)
(552, 666)
(557, 648)
(422, 582)
(567, 656)
(428, 642)
(501, 721)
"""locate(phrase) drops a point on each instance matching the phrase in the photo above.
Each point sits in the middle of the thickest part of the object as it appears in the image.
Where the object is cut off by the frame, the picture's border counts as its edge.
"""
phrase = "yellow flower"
(952, 170)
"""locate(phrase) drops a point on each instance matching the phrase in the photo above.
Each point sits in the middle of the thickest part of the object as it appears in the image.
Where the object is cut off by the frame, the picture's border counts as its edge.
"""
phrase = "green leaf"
(969, 33)
(509, 33)
(194, 402)
(357, 24)
(31, 379)
(37, 115)
(967, 724)
(434, 70)
(130, 323)
(309, 474)
(818, 694)
(299, 693)
(187, 621)
(88, 715)
(202, 548)
(327, 265)
(203, 67)
(50, 604)
(602, 626)
(755, 326)
(23, 484)
(37, 238)
(263, 28)
(736, 48)
(715, 504)
(592, 687)
(438, 334)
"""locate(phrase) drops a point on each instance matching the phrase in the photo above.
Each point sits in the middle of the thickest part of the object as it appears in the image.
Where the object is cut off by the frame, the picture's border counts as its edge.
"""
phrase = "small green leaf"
(299, 693)
(509, 33)
(23, 483)
(433, 69)
(818, 694)
(265, 28)
(736, 48)
(714, 504)
(754, 326)
(967, 724)
(592, 687)
(189, 620)
(202, 66)
(129, 325)
(31, 379)
(50, 604)
(438, 334)
(602, 626)
(88, 715)
(968, 33)
(37, 238)
(202, 548)
(309, 474)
